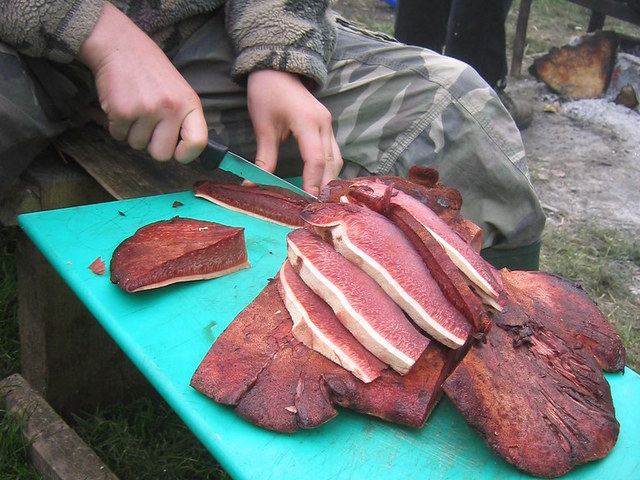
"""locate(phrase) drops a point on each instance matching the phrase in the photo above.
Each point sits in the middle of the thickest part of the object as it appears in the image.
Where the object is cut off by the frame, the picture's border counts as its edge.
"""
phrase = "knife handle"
(213, 154)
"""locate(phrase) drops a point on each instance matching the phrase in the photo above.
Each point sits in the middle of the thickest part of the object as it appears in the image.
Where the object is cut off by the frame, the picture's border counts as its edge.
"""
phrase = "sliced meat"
(278, 383)
(373, 243)
(289, 393)
(445, 201)
(357, 300)
(451, 281)
(316, 326)
(245, 348)
(258, 367)
(177, 250)
(535, 395)
(380, 197)
(275, 204)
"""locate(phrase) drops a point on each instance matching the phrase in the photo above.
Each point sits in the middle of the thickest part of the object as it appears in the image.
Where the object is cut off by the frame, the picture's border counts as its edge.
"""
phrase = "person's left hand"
(279, 106)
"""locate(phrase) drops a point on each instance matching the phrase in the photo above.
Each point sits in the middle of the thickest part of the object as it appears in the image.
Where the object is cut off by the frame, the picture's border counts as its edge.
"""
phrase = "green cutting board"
(167, 333)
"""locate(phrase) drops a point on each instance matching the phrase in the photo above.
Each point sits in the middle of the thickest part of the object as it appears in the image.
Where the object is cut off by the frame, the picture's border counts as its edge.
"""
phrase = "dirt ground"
(584, 159)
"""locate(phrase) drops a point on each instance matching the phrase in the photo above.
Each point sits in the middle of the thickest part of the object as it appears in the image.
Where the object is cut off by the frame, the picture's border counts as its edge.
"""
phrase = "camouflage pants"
(393, 106)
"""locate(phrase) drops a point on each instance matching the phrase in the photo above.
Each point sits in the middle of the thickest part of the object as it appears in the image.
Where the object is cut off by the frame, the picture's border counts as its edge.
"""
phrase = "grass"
(14, 463)
(607, 264)
(146, 439)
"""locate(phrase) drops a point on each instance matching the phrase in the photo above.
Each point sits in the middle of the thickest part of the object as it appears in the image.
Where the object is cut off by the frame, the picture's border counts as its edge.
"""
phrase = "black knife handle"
(213, 154)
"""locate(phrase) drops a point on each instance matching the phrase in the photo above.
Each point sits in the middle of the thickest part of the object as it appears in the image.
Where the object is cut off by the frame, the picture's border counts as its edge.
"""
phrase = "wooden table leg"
(520, 36)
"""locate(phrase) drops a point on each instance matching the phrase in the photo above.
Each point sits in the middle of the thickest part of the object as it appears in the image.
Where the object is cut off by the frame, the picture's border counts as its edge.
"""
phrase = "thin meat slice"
(177, 250)
(380, 248)
(380, 197)
(533, 392)
(316, 326)
(451, 281)
(357, 300)
(445, 201)
(275, 204)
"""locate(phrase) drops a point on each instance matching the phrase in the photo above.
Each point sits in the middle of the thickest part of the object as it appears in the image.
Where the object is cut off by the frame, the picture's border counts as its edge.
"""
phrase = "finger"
(267, 152)
(193, 137)
(140, 132)
(164, 140)
(332, 169)
(314, 157)
(119, 129)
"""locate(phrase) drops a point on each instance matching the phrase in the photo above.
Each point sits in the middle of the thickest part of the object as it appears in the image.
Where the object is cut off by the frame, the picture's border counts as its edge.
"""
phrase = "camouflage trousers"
(393, 106)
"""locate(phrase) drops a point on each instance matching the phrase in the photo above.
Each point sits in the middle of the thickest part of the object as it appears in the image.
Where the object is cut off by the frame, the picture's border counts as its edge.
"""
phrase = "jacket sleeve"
(297, 36)
(45, 28)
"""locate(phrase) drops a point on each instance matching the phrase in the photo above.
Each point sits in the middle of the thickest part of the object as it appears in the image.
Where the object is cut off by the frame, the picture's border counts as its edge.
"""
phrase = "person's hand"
(280, 105)
(146, 100)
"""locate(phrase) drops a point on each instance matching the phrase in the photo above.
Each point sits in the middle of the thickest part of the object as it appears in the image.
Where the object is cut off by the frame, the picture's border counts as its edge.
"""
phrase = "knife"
(216, 155)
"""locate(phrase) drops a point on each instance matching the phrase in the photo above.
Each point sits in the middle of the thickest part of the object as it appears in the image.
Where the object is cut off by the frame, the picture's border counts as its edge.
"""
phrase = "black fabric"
(473, 32)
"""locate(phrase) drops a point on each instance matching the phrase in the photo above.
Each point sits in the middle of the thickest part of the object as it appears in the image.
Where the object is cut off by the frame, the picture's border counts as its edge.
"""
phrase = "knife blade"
(216, 155)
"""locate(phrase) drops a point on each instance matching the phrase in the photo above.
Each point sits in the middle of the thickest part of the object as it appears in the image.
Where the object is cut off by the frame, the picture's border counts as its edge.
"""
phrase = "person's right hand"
(146, 100)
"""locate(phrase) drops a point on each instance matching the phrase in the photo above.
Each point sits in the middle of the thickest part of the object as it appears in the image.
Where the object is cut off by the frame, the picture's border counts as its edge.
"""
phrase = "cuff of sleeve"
(74, 28)
(307, 64)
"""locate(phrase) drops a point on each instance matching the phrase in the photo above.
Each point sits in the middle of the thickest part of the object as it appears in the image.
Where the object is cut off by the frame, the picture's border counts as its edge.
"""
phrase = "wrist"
(112, 30)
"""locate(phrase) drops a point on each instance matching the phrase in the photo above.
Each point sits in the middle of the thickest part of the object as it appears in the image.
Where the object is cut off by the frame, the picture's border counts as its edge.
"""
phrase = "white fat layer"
(190, 278)
(464, 265)
(239, 210)
(332, 351)
(390, 285)
(338, 301)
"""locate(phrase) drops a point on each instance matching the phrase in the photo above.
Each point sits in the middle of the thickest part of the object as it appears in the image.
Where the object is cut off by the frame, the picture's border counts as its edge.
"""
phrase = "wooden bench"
(600, 9)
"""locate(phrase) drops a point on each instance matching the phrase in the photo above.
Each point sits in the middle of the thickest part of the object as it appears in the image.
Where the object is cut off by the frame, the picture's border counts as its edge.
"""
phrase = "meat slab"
(274, 381)
(274, 204)
(358, 301)
(372, 242)
(535, 391)
(177, 250)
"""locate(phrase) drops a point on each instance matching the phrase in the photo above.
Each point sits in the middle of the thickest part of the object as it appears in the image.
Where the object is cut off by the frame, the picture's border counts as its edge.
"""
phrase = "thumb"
(193, 137)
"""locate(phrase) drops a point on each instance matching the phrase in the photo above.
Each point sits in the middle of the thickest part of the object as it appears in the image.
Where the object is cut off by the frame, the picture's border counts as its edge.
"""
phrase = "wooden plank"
(57, 452)
(126, 173)
(518, 41)
(612, 8)
(65, 354)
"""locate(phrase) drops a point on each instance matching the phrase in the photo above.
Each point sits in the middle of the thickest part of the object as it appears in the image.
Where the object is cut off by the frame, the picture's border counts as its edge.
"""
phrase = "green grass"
(607, 264)
(14, 457)
(14, 460)
(145, 439)
(9, 338)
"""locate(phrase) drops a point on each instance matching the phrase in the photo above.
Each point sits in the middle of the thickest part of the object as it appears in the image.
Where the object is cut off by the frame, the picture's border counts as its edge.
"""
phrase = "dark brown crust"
(533, 392)
(277, 383)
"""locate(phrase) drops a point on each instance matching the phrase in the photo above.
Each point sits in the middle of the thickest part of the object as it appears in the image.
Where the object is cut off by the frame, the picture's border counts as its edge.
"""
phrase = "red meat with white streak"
(315, 325)
(477, 270)
(381, 249)
(358, 301)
